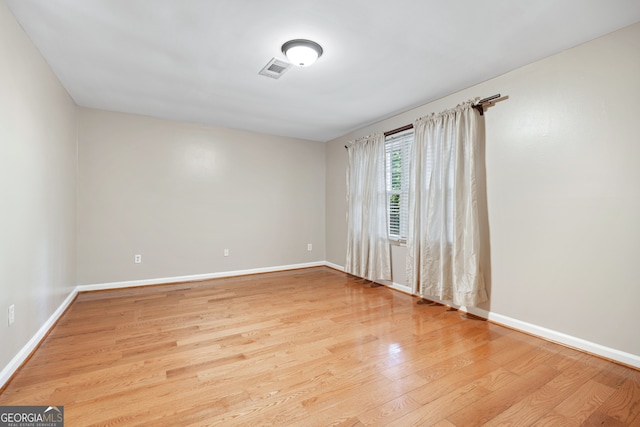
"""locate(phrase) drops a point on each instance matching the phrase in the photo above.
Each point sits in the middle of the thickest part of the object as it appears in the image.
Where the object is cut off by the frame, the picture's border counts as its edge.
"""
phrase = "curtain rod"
(478, 106)
(398, 130)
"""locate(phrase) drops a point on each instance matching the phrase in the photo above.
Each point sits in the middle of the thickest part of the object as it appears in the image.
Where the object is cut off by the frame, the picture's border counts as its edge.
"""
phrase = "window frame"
(397, 143)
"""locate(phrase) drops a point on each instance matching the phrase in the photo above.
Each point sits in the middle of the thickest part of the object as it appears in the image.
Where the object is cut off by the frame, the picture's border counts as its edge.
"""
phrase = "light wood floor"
(310, 347)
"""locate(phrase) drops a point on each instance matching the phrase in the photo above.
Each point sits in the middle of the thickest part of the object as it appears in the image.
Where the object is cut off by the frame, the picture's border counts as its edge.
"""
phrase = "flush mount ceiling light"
(302, 52)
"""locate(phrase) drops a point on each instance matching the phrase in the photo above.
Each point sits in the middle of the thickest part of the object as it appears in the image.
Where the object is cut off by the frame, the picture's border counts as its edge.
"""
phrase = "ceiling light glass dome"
(302, 52)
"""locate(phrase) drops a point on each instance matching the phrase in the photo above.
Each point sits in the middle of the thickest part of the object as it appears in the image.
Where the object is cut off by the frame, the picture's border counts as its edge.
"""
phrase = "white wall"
(37, 189)
(563, 190)
(179, 194)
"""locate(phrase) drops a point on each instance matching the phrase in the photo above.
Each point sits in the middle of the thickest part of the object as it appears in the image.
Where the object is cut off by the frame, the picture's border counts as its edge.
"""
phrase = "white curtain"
(368, 253)
(443, 246)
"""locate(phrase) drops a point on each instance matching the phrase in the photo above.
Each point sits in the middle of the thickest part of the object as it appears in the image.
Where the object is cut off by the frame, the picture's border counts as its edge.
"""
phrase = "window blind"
(397, 151)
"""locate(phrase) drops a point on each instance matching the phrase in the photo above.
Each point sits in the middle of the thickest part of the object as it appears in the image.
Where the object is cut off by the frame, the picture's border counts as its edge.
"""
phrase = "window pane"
(398, 147)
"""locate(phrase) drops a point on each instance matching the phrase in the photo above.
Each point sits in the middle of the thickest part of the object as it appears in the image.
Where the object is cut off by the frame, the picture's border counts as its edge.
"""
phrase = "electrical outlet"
(309, 247)
(137, 259)
(226, 252)
(12, 314)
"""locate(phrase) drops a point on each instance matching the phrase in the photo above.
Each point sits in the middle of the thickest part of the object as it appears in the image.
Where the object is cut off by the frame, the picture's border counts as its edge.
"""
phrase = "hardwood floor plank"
(461, 397)
(553, 419)
(580, 405)
(540, 402)
(493, 403)
(624, 403)
(384, 414)
(455, 380)
(311, 347)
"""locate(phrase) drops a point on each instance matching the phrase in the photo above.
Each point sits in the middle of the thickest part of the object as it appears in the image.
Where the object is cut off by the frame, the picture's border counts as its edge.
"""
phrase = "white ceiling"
(198, 60)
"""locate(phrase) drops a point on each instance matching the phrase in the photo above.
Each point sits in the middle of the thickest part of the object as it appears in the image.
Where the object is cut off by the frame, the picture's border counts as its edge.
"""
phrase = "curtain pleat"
(368, 253)
(443, 244)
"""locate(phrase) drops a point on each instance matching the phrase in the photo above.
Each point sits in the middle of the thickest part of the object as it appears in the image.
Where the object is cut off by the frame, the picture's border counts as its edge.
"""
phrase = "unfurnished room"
(319, 213)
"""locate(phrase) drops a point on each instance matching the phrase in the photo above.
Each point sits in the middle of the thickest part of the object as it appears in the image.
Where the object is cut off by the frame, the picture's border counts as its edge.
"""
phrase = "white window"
(397, 149)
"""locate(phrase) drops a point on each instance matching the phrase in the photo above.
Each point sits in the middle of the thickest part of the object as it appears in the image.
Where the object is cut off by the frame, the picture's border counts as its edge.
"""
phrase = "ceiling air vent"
(275, 68)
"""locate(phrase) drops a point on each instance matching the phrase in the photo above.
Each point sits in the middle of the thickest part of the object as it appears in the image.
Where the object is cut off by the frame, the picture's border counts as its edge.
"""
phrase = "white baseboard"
(24, 353)
(17, 361)
(334, 266)
(389, 284)
(559, 337)
(194, 277)
(538, 331)
(400, 288)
